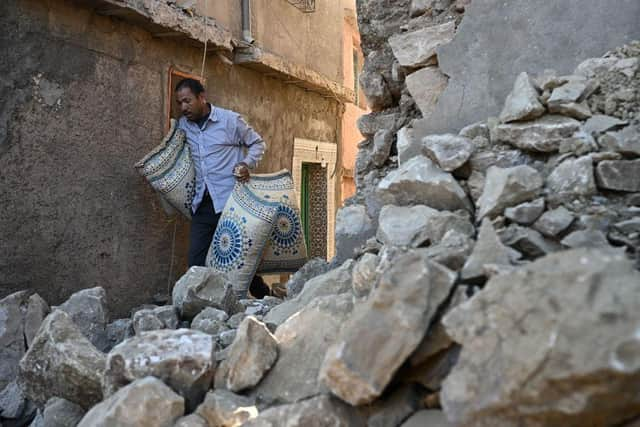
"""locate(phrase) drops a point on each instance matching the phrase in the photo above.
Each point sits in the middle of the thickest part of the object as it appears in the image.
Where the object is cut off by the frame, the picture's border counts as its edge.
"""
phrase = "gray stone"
(451, 251)
(526, 213)
(193, 420)
(482, 160)
(235, 320)
(544, 339)
(554, 222)
(440, 223)
(403, 225)
(13, 309)
(311, 269)
(529, 242)
(376, 90)
(619, 175)
(302, 343)
(572, 178)
(353, 228)
(37, 310)
(408, 296)
(425, 86)
(626, 141)
(522, 103)
(585, 239)
(202, 287)
(382, 141)
(88, 310)
(147, 402)
(211, 321)
(225, 338)
(541, 135)
(508, 187)
(226, 409)
(146, 320)
(252, 353)
(418, 48)
(487, 250)
(474, 130)
(420, 181)
(369, 124)
(38, 421)
(577, 110)
(333, 282)
(420, 7)
(549, 80)
(364, 275)
(581, 143)
(574, 91)
(182, 358)
(600, 123)
(448, 151)
(12, 401)
(62, 362)
(628, 226)
(319, 411)
(396, 407)
(591, 67)
(118, 331)
(408, 146)
(62, 413)
(431, 418)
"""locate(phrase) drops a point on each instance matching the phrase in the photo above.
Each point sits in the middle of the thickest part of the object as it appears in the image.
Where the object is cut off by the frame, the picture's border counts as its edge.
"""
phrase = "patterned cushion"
(242, 233)
(286, 250)
(169, 170)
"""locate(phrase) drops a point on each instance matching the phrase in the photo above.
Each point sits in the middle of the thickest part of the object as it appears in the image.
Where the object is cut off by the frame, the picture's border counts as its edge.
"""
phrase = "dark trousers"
(203, 224)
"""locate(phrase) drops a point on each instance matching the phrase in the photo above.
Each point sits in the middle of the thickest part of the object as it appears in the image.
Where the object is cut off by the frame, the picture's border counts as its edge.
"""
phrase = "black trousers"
(203, 225)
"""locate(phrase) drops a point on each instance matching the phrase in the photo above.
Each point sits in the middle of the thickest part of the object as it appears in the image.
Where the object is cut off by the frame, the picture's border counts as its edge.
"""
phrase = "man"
(218, 139)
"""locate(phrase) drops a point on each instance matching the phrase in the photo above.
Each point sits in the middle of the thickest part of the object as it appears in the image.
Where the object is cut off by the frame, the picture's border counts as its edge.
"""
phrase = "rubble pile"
(485, 278)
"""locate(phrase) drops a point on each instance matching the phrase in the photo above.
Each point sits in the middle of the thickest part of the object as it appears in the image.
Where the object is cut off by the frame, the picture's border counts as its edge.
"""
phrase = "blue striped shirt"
(216, 148)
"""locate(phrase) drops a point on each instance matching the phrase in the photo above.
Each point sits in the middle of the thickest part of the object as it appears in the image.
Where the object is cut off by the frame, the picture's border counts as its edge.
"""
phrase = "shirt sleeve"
(246, 136)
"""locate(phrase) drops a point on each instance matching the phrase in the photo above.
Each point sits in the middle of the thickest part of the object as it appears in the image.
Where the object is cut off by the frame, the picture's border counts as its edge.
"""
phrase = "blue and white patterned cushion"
(169, 169)
(242, 233)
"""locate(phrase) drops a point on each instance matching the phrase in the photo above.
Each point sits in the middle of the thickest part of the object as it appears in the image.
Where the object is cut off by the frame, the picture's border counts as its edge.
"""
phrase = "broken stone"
(431, 418)
(37, 310)
(364, 275)
(302, 343)
(629, 226)
(554, 222)
(525, 213)
(572, 178)
(451, 251)
(353, 228)
(418, 48)
(593, 66)
(543, 337)
(211, 321)
(576, 110)
(62, 413)
(202, 287)
(333, 282)
(619, 175)
(118, 331)
(522, 103)
(369, 124)
(440, 223)
(425, 86)
(225, 338)
(403, 226)
(13, 309)
(529, 242)
(585, 239)
(396, 407)
(12, 402)
(420, 7)
(580, 143)
(449, 151)
(627, 66)
(62, 362)
(147, 402)
(182, 358)
(407, 145)
(549, 80)
(481, 161)
(382, 141)
(626, 141)
(88, 310)
(224, 408)
(193, 420)
(250, 356)
(311, 269)
(487, 250)
(146, 320)
(574, 91)
(474, 130)
(376, 90)
(508, 187)
(420, 181)
(408, 295)
(544, 134)
(600, 123)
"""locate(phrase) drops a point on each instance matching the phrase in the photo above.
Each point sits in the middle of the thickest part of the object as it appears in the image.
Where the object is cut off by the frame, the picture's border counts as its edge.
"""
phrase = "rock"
(572, 178)
(581, 143)
(419, 181)
(600, 123)
(382, 141)
(353, 228)
(62, 362)
(403, 226)
(369, 124)
(202, 287)
(619, 175)
(481, 161)
(62, 413)
(529, 242)
(235, 320)
(13, 309)
(440, 223)
(407, 144)
(37, 310)
(522, 103)
(549, 80)
(314, 267)
(250, 356)
(420, 7)
(431, 418)
(629, 226)
(408, 295)
(544, 339)
(193, 420)
(222, 408)
(525, 213)
(425, 87)
(146, 320)
(211, 321)
(543, 135)
(448, 151)
(319, 411)
(508, 187)
(364, 275)
(585, 239)
(225, 338)
(593, 66)
(376, 90)
(418, 48)
(146, 402)
(554, 222)
(333, 282)
(12, 402)
(38, 421)
(396, 407)
(626, 141)
(452, 251)
(182, 358)
(576, 110)
(574, 91)
(309, 333)
(88, 310)
(487, 250)
(118, 331)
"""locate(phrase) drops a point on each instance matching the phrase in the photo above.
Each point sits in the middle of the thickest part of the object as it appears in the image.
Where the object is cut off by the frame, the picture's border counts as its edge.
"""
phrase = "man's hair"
(193, 84)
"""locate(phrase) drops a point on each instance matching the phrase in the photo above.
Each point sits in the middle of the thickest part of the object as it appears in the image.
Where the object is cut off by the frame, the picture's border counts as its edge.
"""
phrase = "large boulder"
(88, 310)
(449, 151)
(222, 408)
(353, 228)
(184, 359)
(522, 103)
(619, 175)
(62, 413)
(392, 321)
(425, 86)
(508, 187)
(572, 178)
(62, 362)
(487, 250)
(13, 309)
(542, 135)
(314, 267)
(415, 49)
(202, 287)
(528, 354)
(37, 310)
(147, 402)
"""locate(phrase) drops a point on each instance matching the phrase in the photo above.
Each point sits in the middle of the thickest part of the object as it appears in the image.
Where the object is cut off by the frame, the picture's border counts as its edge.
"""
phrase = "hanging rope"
(206, 38)
(173, 250)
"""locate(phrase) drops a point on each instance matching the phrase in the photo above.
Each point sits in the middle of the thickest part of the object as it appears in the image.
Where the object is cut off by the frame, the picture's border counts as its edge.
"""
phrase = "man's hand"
(241, 172)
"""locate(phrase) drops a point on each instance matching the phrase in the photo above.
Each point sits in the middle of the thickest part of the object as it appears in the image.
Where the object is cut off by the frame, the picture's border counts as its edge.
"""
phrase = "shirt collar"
(213, 113)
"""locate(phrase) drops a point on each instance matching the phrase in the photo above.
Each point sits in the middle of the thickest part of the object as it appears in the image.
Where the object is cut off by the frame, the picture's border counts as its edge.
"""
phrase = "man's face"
(192, 106)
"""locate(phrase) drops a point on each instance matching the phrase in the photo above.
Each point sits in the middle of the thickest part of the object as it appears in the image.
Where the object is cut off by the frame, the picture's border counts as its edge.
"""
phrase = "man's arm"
(246, 136)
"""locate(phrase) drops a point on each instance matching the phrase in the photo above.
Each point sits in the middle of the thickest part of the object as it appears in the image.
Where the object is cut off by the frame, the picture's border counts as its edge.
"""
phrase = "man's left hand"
(241, 172)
